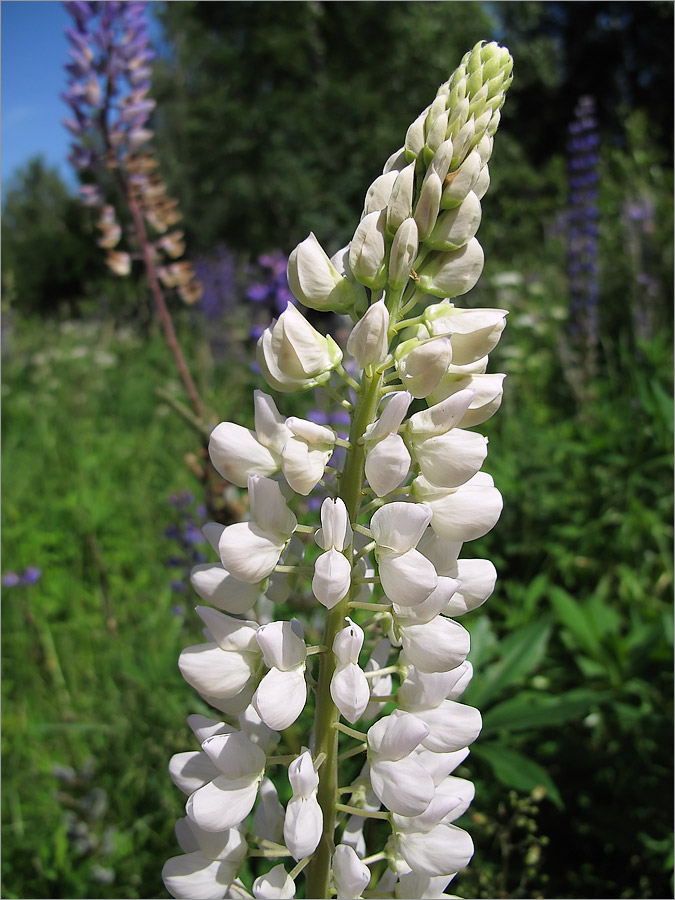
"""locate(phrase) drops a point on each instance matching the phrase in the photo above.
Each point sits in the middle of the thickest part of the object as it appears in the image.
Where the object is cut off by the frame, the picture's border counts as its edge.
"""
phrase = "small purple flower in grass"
(31, 575)
(10, 579)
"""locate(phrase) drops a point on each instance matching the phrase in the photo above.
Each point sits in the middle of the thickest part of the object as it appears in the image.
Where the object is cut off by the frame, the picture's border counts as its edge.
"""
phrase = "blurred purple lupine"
(582, 235)
(269, 291)
(187, 540)
(30, 575)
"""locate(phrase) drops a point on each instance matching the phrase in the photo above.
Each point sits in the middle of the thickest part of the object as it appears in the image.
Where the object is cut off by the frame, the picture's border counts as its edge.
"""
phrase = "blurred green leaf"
(530, 709)
(515, 770)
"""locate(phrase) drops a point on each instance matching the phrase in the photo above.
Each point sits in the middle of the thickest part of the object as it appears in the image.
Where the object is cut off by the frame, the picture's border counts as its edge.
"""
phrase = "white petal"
(213, 671)
(281, 697)
(332, 577)
(368, 342)
(402, 785)
(396, 736)
(195, 877)
(283, 648)
(268, 819)
(268, 507)
(303, 466)
(217, 586)
(229, 844)
(248, 552)
(216, 806)
(212, 532)
(428, 609)
(303, 776)
(256, 731)
(310, 432)
(350, 691)
(202, 728)
(391, 418)
(407, 578)
(442, 851)
(382, 685)
(477, 581)
(451, 459)
(335, 529)
(302, 826)
(235, 453)
(351, 875)
(488, 389)
(275, 885)
(348, 643)
(229, 633)
(441, 806)
(425, 887)
(436, 646)
(192, 770)
(439, 765)
(387, 464)
(427, 690)
(441, 551)
(235, 756)
(440, 418)
(451, 726)
(467, 513)
(399, 526)
(187, 842)
(269, 423)
(463, 790)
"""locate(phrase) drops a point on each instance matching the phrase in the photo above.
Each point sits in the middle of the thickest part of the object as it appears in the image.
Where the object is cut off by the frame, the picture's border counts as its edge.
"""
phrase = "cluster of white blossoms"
(386, 563)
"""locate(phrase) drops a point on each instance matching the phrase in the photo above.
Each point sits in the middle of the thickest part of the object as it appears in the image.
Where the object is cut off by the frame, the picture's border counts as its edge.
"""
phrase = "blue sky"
(34, 50)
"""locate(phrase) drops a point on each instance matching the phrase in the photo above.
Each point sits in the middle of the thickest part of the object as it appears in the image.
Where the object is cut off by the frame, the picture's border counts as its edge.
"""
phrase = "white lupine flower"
(436, 646)
(380, 686)
(367, 251)
(422, 364)
(387, 457)
(452, 273)
(282, 693)
(304, 820)
(236, 452)
(350, 874)
(482, 184)
(424, 887)
(209, 865)
(477, 577)
(442, 851)
(488, 390)
(251, 550)
(428, 609)
(332, 569)
(455, 227)
(256, 730)
(223, 666)
(450, 460)
(398, 780)
(464, 513)
(315, 281)
(219, 587)
(306, 454)
(277, 884)
(452, 725)
(442, 158)
(475, 332)
(226, 800)
(349, 686)
(293, 356)
(268, 819)
(407, 576)
(368, 341)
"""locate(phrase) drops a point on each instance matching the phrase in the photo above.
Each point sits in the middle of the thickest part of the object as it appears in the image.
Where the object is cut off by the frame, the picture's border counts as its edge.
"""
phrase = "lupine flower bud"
(276, 885)
(281, 695)
(304, 820)
(379, 192)
(293, 356)
(403, 253)
(332, 570)
(458, 183)
(422, 364)
(315, 281)
(367, 251)
(399, 205)
(349, 685)
(351, 875)
(428, 205)
(368, 341)
(455, 227)
(453, 273)
(387, 458)
(306, 454)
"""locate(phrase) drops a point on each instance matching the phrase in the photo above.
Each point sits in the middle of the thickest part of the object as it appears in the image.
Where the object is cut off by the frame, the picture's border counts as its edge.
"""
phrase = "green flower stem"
(364, 813)
(327, 715)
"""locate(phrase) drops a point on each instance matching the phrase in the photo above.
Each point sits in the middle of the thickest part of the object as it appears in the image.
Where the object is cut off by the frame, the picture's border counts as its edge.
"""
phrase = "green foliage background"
(272, 121)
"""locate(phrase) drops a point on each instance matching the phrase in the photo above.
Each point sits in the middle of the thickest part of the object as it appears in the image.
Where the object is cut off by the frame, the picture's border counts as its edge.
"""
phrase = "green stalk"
(327, 715)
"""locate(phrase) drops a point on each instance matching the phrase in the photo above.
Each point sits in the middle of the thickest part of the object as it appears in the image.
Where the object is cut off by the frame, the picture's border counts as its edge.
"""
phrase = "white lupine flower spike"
(384, 572)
